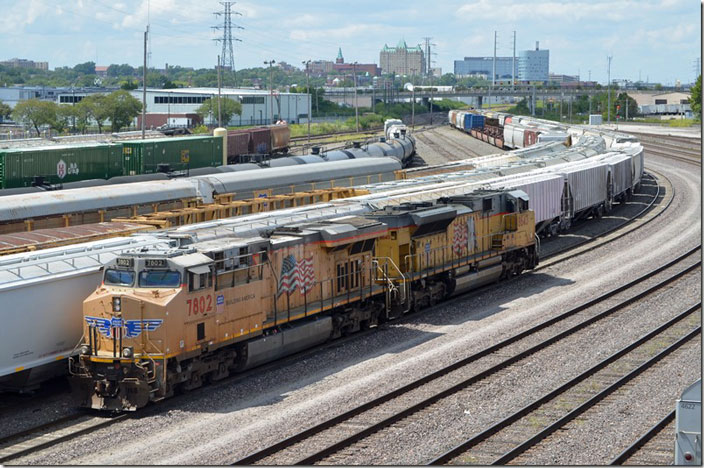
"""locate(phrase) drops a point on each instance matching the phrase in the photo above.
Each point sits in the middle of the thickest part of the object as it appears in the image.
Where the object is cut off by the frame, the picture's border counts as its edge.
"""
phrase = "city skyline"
(654, 40)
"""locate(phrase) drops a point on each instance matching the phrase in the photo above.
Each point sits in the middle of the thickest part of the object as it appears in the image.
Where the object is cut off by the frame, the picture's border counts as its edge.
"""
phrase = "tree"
(64, 118)
(95, 106)
(81, 116)
(87, 68)
(696, 100)
(128, 85)
(228, 108)
(5, 111)
(35, 113)
(123, 108)
(123, 70)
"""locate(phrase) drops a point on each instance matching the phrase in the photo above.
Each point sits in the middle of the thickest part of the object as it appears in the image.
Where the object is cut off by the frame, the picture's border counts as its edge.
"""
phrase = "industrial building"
(178, 106)
(665, 105)
(402, 60)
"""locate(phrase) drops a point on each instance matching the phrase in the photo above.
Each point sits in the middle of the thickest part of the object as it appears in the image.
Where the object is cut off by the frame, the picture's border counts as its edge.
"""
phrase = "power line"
(228, 54)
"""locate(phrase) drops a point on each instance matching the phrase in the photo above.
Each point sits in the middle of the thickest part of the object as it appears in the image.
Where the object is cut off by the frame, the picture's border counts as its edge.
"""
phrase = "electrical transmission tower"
(428, 55)
(227, 60)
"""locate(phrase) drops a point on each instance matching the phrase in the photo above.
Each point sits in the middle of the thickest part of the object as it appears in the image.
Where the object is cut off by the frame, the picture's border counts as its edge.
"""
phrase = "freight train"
(505, 130)
(34, 282)
(169, 319)
(362, 164)
(56, 166)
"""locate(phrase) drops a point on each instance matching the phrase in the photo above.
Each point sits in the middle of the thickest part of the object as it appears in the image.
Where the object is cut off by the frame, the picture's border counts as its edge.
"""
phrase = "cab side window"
(199, 278)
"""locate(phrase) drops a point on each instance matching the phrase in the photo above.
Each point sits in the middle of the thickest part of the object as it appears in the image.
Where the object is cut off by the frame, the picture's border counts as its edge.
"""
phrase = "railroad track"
(461, 148)
(652, 448)
(650, 137)
(342, 433)
(81, 422)
(437, 147)
(36, 438)
(52, 433)
(678, 155)
(555, 410)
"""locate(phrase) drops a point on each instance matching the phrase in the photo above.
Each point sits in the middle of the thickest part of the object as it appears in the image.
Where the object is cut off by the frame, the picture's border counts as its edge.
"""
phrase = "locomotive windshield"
(159, 279)
(119, 277)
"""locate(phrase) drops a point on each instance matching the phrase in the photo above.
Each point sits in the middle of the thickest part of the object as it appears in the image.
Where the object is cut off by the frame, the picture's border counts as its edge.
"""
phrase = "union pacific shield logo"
(131, 328)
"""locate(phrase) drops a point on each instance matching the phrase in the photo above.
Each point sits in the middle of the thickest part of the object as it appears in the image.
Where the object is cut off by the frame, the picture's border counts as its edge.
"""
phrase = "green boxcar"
(180, 153)
(59, 164)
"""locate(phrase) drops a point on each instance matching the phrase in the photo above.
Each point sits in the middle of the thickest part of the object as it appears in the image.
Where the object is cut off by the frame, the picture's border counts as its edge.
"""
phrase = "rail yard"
(494, 289)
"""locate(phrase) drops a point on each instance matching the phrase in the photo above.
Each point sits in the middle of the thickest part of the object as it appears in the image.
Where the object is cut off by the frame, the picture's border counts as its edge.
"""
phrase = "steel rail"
(287, 442)
(644, 439)
(270, 366)
(663, 153)
(41, 430)
(46, 439)
(507, 457)
(474, 440)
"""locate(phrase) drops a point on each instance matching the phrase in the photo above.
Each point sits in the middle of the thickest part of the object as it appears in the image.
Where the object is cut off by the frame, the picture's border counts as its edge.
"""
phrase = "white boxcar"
(587, 184)
(544, 191)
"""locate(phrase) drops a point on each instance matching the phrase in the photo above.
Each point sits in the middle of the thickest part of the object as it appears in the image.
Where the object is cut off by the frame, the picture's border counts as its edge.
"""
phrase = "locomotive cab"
(125, 324)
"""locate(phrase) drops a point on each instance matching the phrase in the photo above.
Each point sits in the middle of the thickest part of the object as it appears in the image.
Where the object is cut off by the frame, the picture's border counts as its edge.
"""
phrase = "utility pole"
(144, 85)
(271, 86)
(493, 73)
(513, 67)
(608, 110)
(306, 63)
(356, 107)
(219, 84)
(431, 99)
(227, 55)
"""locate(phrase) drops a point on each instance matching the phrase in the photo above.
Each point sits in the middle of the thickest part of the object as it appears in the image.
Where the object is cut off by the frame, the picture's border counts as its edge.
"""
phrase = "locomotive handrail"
(479, 249)
(402, 277)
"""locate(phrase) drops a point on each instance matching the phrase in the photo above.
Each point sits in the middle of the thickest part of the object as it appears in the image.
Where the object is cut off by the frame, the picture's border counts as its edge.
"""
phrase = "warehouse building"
(178, 106)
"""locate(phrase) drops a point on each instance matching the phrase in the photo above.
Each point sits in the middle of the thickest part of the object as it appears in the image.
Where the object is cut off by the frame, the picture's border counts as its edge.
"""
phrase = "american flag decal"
(460, 238)
(296, 274)
(288, 281)
(306, 274)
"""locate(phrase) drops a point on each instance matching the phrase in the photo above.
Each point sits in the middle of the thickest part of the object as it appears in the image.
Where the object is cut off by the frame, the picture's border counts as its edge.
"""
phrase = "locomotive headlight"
(127, 352)
(116, 304)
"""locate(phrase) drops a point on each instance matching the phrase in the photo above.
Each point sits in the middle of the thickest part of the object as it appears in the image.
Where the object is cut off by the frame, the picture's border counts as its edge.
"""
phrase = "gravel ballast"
(223, 425)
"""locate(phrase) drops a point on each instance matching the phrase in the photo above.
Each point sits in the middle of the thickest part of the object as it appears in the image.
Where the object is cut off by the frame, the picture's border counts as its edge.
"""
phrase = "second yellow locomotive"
(172, 318)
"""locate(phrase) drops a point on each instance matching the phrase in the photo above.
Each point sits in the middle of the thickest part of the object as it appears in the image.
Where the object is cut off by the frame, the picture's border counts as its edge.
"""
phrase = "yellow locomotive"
(170, 319)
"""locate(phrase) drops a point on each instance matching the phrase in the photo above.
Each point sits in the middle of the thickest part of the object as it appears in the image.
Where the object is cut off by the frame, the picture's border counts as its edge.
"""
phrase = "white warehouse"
(178, 106)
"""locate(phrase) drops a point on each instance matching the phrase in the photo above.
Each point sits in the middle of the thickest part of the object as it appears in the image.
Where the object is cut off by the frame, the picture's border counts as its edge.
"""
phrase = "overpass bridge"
(423, 94)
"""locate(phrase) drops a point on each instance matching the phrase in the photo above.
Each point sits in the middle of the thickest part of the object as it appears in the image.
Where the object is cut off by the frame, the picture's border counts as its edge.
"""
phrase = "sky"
(656, 40)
